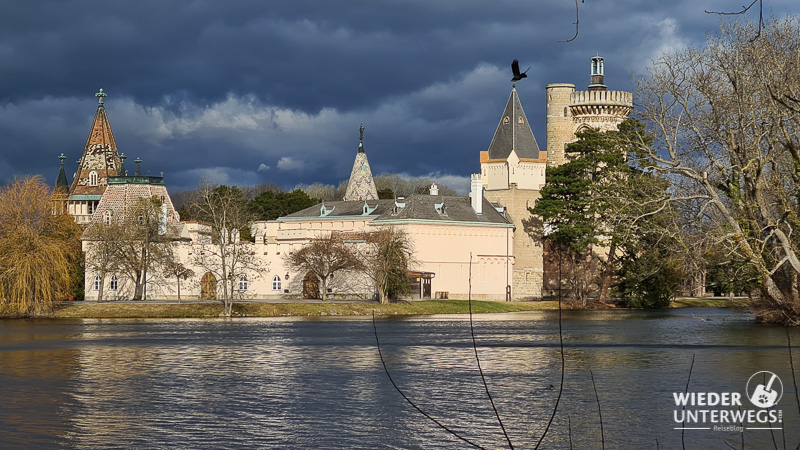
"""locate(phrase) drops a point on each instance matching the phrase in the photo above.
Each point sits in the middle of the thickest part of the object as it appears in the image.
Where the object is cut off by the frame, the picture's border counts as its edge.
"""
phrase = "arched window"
(242, 283)
(565, 111)
(276, 283)
(97, 282)
(107, 217)
(114, 283)
(93, 178)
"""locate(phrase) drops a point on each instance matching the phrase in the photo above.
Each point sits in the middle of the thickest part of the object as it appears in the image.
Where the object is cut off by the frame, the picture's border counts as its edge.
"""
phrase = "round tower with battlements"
(569, 111)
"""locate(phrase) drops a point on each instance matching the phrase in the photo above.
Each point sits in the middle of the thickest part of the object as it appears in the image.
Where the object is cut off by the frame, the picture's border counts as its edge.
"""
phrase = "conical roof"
(361, 186)
(99, 156)
(513, 133)
(62, 184)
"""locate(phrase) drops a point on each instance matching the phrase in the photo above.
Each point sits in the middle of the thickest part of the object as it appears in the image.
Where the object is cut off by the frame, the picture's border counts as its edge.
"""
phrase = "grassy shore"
(207, 310)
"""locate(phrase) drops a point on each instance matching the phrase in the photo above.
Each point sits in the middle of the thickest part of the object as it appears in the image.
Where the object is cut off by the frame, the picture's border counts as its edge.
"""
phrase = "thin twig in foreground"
(377, 342)
(683, 431)
(478, 360)
(791, 365)
(561, 342)
(599, 412)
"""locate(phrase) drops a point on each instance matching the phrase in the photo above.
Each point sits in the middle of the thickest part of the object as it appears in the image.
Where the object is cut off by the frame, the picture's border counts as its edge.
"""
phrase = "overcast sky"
(245, 92)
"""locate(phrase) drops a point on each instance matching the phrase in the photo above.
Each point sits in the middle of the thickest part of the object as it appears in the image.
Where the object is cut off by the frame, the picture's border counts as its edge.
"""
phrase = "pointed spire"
(61, 183)
(513, 133)
(99, 156)
(361, 186)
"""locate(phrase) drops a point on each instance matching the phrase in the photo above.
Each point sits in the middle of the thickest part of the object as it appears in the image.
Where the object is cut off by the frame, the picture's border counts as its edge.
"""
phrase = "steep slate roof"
(513, 133)
(99, 155)
(418, 207)
(361, 186)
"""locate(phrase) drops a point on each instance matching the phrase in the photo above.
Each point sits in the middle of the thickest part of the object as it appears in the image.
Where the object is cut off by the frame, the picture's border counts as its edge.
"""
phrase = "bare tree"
(728, 138)
(135, 244)
(101, 253)
(224, 254)
(386, 261)
(324, 257)
(176, 269)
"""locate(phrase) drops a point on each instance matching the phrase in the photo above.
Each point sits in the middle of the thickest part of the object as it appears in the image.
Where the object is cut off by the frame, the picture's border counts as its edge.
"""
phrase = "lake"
(320, 383)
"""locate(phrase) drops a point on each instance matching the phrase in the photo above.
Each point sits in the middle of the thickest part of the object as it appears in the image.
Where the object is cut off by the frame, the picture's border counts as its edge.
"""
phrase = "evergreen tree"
(597, 199)
(270, 205)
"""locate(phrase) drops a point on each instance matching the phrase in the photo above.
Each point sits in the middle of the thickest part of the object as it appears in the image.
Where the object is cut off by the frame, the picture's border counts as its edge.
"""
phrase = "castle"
(513, 168)
(452, 236)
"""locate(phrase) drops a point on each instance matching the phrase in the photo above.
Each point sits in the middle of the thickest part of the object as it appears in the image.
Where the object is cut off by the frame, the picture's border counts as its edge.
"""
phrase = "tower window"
(93, 178)
(565, 111)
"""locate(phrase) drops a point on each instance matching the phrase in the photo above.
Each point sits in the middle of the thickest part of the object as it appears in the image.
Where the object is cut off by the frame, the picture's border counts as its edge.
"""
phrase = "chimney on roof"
(476, 193)
(434, 189)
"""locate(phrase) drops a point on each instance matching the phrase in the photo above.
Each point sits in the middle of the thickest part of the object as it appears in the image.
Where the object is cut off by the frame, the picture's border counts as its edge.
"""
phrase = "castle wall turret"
(560, 127)
(568, 111)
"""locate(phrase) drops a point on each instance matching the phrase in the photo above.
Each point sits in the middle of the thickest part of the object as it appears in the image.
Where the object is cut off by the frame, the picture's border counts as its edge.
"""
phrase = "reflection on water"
(284, 383)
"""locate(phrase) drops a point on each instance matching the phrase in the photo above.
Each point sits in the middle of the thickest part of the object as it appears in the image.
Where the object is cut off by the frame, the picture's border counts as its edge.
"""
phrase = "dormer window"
(506, 120)
(93, 178)
(520, 121)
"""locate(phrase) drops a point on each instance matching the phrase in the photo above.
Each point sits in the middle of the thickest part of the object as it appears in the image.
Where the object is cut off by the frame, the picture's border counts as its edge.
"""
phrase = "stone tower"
(512, 173)
(99, 161)
(569, 111)
(361, 186)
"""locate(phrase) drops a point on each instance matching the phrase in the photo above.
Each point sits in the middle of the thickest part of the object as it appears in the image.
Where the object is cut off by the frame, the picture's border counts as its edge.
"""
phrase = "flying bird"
(517, 75)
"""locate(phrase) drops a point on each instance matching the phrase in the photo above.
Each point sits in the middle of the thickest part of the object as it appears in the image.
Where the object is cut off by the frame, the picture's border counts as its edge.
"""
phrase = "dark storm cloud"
(254, 91)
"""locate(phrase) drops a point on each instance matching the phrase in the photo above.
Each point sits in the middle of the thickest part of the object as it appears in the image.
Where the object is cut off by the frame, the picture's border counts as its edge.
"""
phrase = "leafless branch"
(575, 23)
(744, 10)
(386, 369)
(478, 360)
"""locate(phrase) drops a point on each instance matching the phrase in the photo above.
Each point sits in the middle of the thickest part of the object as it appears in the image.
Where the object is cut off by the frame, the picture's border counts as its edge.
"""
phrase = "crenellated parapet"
(569, 111)
(595, 99)
(603, 110)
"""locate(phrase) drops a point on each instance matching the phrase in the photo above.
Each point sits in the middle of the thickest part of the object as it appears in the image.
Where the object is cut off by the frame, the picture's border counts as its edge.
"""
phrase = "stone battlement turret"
(568, 111)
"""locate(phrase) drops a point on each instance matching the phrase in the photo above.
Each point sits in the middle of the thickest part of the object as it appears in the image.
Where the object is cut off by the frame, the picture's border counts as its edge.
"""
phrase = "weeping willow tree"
(37, 248)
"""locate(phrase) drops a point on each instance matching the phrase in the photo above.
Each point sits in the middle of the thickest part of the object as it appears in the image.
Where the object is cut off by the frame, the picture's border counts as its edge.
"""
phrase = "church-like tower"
(99, 161)
(569, 111)
(361, 186)
(512, 173)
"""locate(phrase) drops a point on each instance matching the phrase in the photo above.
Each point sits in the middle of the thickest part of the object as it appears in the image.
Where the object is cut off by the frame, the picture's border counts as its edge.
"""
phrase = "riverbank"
(108, 310)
